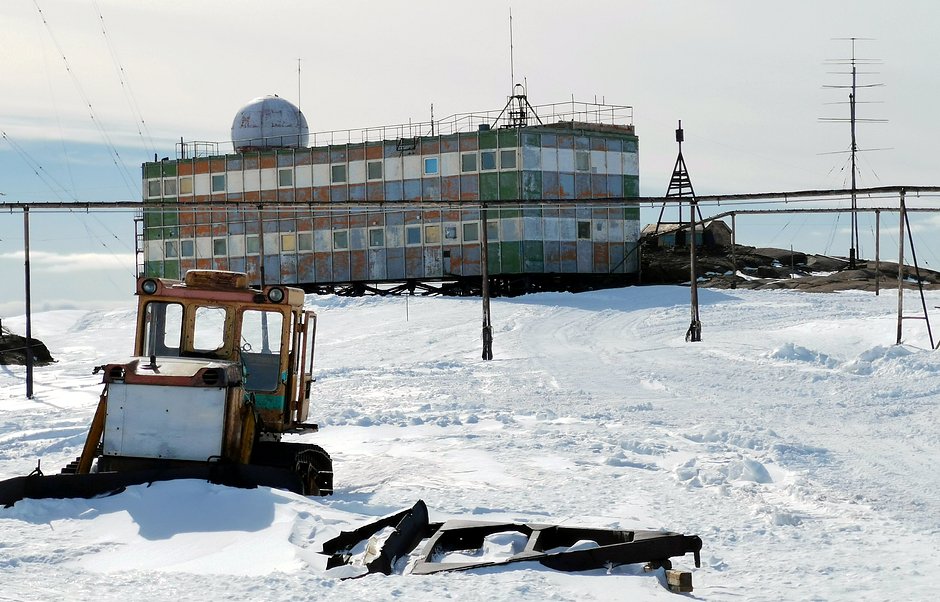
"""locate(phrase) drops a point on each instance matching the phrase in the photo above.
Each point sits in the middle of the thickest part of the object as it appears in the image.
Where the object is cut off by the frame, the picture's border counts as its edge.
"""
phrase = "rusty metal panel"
(469, 187)
(414, 262)
(565, 186)
(339, 194)
(377, 269)
(568, 253)
(374, 150)
(359, 265)
(357, 219)
(551, 256)
(470, 260)
(599, 186)
(253, 268)
(203, 264)
(431, 189)
(340, 221)
(305, 268)
(288, 268)
(430, 146)
(582, 186)
(449, 144)
(469, 142)
(601, 257)
(375, 218)
(450, 188)
(585, 256)
(323, 265)
(355, 152)
(615, 254)
(268, 160)
(272, 269)
(302, 156)
(452, 256)
(341, 270)
(395, 263)
(433, 262)
(375, 191)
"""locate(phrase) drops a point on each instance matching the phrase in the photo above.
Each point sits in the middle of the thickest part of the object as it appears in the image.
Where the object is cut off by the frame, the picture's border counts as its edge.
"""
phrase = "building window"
(337, 174)
(288, 242)
(252, 244)
(186, 185)
(430, 166)
(582, 161)
(153, 188)
(487, 160)
(471, 232)
(374, 170)
(376, 237)
(507, 159)
(169, 186)
(584, 230)
(432, 235)
(219, 247)
(413, 235)
(340, 240)
(450, 232)
(468, 162)
(305, 241)
(187, 248)
(285, 177)
(218, 182)
(169, 249)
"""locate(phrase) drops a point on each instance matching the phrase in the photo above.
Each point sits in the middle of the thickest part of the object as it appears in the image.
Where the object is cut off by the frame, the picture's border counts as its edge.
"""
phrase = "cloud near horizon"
(44, 261)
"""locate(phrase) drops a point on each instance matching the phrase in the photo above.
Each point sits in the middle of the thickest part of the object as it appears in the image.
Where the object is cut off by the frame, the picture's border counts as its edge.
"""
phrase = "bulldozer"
(221, 372)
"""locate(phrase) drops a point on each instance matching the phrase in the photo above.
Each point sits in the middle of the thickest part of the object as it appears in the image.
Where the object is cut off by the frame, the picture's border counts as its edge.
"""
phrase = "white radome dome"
(269, 122)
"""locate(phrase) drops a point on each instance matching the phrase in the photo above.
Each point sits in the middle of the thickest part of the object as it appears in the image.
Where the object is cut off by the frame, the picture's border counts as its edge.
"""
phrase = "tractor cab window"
(162, 328)
(209, 330)
(261, 336)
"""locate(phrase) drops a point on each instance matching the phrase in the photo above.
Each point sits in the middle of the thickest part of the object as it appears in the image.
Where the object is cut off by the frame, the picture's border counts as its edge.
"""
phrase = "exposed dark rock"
(13, 350)
(768, 268)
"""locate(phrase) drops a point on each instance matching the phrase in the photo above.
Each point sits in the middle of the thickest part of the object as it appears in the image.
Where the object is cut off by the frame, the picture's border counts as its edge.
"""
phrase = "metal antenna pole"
(485, 287)
(29, 323)
(901, 215)
(854, 246)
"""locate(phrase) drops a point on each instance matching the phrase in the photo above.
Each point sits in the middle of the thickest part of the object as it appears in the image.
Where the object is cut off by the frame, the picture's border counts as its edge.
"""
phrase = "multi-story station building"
(400, 206)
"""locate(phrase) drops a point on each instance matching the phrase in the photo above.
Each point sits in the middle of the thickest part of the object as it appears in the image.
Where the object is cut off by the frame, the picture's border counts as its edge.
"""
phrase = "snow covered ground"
(796, 440)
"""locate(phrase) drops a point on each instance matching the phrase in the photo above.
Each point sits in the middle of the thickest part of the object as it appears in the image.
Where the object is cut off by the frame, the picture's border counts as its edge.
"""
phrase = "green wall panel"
(509, 213)
(508, 138)
(534, 256)
(508, 185)
(169, 169)
(171, 269)
(511, 256)
(631, 213)
(631, 186)
(489, 186)
(151, 170)
(488, 139)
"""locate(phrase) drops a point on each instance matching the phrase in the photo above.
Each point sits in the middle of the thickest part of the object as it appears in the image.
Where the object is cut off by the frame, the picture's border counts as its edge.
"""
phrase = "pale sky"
(745, 77)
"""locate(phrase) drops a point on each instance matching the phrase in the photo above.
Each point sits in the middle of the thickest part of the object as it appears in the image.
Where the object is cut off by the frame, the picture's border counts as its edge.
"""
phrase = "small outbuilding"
(666, 235)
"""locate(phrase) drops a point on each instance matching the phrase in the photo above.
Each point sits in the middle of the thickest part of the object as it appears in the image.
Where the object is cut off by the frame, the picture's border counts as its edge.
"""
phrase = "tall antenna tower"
(853, 62)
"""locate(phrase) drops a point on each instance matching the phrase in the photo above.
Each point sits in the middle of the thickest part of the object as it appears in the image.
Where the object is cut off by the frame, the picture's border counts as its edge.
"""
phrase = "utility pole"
(485, 286)
(29, 323)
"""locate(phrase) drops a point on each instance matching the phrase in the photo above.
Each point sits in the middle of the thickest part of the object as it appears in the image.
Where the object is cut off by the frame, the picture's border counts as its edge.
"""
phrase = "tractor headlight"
(149, 286)
(276, 295)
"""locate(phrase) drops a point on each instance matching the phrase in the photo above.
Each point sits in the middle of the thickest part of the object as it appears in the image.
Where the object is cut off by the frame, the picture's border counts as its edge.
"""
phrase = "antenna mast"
(853, 120)
(512, 69)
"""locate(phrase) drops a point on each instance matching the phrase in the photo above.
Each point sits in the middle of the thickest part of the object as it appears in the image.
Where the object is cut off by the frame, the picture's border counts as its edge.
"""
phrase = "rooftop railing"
(547, 114)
